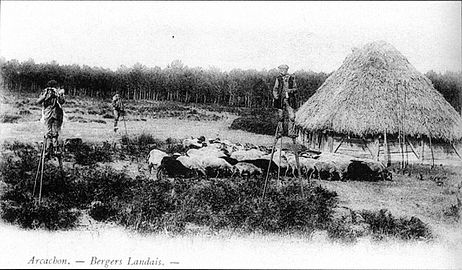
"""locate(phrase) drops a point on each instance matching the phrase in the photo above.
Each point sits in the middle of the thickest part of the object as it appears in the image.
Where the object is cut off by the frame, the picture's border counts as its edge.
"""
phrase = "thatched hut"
(377, 99)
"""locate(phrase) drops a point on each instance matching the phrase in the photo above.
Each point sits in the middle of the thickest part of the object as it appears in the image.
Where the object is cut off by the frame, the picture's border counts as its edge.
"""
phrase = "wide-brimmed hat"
(285, 67)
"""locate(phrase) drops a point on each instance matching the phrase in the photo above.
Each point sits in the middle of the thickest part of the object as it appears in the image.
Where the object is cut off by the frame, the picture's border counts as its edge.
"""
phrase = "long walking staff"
(271, 160)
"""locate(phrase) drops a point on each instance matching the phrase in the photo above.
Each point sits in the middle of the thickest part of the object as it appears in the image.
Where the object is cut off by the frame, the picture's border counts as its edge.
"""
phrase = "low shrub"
(223, 203)
(258, 121)
(384, 224)
(9, 118)
(90, 154)
(50, 214)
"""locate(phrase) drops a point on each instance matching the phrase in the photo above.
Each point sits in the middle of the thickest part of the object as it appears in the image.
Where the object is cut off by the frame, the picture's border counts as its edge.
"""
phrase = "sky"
(315, 36)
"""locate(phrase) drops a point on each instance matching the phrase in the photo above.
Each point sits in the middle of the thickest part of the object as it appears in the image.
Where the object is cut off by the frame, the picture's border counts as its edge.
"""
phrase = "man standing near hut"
(52, 99)
(284, 94)
(118, 109)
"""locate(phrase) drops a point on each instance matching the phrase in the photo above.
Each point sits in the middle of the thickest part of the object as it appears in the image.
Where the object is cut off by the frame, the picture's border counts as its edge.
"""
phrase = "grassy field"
(429, 195)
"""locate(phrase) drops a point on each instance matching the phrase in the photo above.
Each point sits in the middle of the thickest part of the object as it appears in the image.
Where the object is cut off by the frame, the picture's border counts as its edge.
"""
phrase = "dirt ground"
(405, 196)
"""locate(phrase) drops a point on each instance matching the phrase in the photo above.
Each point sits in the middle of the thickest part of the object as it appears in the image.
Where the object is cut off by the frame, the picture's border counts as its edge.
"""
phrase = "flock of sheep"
(222, 158)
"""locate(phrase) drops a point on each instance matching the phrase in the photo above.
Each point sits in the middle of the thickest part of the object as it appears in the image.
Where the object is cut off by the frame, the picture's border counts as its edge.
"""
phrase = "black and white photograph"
(230, 134)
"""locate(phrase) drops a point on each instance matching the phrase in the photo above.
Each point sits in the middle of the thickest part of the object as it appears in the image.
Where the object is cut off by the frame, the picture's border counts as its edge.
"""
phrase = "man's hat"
(52, 83)
(286, 67)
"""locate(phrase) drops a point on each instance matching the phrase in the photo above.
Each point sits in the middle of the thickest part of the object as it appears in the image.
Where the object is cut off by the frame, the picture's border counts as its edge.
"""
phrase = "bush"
(50, 214)
(90, 154)
(223, 203)
(258, 121)
(8, 118)
(384, 224)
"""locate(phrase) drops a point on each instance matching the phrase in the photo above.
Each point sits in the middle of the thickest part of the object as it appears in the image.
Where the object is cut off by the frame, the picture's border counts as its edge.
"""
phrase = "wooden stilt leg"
(279, 165)
(270, 161)
(297, 161)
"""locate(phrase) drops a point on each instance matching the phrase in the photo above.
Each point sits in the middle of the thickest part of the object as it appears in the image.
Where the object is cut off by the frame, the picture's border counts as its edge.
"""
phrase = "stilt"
(297, 161)
(41, 173)
(39, 165)
(279, 165)
(270, 161)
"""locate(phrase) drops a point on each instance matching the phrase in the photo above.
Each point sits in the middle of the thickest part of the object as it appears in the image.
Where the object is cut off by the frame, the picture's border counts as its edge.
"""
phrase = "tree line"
(177, 82)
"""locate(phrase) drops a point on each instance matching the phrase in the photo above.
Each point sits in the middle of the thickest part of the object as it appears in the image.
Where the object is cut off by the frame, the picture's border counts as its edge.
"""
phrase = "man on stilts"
(285, 100)
(52, 99)
(118, 110)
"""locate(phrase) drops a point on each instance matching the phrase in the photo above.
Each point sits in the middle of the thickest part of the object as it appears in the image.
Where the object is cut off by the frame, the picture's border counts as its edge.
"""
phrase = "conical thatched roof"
(376, 90)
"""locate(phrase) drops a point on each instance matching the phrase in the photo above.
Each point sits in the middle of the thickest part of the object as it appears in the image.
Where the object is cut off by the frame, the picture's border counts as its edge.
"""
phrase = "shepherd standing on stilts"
(284, 94)
(285, 100)
(52, 99)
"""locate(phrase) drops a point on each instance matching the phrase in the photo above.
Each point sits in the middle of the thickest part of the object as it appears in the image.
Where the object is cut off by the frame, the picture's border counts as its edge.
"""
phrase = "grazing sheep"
(262, 164)
(367, 169)
(205, 151)
(307, 167)
(193, 143)
(192, 163)
(283, 160)
(216, 164)
(244, 168)
(155, 158)
(173, 168)
(247, 154)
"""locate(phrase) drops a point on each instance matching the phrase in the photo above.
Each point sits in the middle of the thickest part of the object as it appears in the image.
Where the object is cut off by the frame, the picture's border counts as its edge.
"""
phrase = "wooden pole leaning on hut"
(412, 148)
(431, 149)
(455, 150)
(386, 150)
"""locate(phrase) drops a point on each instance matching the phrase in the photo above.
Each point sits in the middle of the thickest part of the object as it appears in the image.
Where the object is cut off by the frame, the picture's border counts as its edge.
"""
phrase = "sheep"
(155, 158)
(193, 143)
(279, 157)
(172, 167)
(307, 166)
(367, 169)
(205, 151)
(244, 168)
(249, 154)
(192, 163)
(262, 164)
(292, 163)
(216, 164)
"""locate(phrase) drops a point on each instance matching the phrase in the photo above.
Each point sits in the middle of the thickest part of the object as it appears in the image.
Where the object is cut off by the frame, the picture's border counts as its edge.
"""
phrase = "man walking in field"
(284, 94)
(118, 109)
(52, 99)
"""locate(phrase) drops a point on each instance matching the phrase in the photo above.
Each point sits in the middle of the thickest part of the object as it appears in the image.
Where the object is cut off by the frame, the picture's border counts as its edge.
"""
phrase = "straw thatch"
(377, 90)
